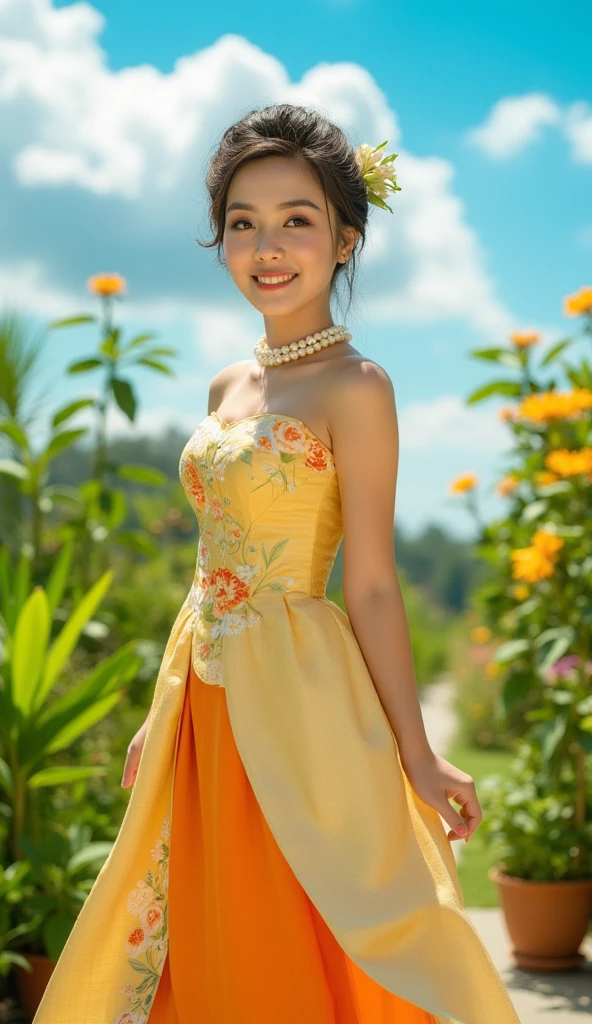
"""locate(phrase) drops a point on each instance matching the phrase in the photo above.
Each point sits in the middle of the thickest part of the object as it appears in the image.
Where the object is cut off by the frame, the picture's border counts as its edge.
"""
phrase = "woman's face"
(282, 224)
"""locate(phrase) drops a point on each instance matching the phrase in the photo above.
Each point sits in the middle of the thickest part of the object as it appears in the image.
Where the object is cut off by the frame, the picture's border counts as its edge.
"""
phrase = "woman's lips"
(272, 287)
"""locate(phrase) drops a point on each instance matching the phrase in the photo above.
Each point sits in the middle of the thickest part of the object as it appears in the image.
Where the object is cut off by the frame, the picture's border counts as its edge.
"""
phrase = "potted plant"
(544, 868)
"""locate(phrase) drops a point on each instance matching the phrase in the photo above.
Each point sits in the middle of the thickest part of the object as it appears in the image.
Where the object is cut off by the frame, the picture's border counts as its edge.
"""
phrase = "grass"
(476, 858)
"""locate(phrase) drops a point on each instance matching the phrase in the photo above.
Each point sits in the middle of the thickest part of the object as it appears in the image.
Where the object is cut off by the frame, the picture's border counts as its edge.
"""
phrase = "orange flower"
(543, 477)
(464, 482)
(316, 456)
(537, 561)
(521, 591)
(524, 339)
(492, 669)
(547, 542)
(570, 463)
(507, 484)
(578, 302)
(506, 413)
(554, 405)
(106, 284)
(481, 634)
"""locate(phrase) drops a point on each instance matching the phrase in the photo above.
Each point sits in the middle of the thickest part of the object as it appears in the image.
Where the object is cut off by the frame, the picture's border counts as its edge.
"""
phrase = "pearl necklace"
(267, 356)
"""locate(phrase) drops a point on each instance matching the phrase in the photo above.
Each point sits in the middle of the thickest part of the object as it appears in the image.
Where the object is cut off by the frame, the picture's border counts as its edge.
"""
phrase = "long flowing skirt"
(246, 944)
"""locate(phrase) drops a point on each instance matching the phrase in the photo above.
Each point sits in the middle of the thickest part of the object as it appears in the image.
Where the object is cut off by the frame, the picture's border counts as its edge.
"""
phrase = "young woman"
(282, 859)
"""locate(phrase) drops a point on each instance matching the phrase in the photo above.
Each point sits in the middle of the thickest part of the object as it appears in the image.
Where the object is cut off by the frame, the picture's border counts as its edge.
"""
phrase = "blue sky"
(109, 111)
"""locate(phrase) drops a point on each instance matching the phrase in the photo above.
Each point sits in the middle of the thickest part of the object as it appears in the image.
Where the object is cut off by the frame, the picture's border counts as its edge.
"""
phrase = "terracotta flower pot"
(546, 921)
(31, 984)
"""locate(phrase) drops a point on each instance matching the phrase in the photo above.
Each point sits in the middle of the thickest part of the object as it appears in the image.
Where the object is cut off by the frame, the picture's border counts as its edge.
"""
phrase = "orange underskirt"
(246, 944)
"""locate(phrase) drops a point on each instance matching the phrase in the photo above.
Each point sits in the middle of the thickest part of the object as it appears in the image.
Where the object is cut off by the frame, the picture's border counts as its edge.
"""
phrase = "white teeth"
(276, 280)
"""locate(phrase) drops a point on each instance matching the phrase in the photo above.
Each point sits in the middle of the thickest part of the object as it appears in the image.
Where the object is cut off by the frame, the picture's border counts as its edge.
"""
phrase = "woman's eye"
(243, 221)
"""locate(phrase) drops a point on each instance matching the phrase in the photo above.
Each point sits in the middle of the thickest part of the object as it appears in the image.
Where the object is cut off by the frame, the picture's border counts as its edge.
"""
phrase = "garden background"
(476, 297)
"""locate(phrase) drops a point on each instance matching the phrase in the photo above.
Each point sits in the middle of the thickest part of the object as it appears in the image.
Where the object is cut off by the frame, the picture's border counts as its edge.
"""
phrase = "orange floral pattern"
(147, 942)
(232, 565)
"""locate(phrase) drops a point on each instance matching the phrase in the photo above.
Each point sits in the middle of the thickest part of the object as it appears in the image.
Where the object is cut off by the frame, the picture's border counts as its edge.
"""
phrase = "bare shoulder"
(222, 380)
(361, 393)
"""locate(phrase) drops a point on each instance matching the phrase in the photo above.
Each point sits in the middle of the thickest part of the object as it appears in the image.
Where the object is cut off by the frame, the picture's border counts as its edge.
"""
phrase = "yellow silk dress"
(274, 864)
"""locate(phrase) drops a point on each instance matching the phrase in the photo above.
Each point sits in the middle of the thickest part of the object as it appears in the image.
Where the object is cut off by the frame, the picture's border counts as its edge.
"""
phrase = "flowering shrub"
(538, 600)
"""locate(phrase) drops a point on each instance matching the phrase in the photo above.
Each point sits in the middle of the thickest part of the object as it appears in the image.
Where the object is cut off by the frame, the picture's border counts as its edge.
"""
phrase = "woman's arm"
(363, 423)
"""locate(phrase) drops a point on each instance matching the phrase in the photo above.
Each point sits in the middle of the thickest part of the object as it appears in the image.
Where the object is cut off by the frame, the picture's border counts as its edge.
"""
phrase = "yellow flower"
(554, 405)
(524, 339)
(570, 463)
(106, 284)
(578, 302)
(537, 561)
(521, 591)
(507, 484)
(464, 482)
(542, 478)
(492, 669)
(481, 634)
(378, 173)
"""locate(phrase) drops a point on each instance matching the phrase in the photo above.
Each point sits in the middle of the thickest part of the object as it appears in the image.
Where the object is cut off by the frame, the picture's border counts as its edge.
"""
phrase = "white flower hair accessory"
(378, 173)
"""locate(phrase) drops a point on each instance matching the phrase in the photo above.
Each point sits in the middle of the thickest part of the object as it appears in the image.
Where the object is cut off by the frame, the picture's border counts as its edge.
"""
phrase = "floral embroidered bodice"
(265, 492)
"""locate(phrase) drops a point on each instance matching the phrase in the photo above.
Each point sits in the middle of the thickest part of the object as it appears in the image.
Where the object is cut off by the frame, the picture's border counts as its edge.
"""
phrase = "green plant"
(531, 820)
(59, 877)
(34, 727)
(13, 884)
(537, 602)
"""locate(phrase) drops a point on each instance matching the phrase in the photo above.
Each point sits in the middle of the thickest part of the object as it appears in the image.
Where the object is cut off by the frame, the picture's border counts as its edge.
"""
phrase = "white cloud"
(446, 424)
(513, 123)
(577, 125)
(104, 170)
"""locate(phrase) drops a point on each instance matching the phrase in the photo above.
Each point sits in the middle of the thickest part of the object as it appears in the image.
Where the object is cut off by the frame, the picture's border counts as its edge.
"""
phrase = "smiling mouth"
(270, 281)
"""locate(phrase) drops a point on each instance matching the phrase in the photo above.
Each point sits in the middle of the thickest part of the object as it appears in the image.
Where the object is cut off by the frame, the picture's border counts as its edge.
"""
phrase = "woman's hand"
(436, 781)
(134, 752)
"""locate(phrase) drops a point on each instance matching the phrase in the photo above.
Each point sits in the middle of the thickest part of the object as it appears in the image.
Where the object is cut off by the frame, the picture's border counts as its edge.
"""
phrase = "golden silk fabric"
(315, 743)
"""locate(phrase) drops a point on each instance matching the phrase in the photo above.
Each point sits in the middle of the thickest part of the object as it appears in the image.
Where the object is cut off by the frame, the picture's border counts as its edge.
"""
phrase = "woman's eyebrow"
(238, 205)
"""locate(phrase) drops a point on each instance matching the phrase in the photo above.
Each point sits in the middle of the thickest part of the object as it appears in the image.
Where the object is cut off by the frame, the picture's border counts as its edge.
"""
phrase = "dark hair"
(284, 129)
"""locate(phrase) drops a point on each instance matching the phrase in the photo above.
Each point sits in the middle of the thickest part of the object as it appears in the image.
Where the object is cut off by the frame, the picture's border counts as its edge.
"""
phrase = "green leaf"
(6, 779)
(65, 642)
(109, 345)
(533, 510)
(58, 577)
(155, 364)
(15, 433)
(552, 734)
(84, 318)
(68, 410)
(59, 443)
(511, 649)
(14, 469)
(82, 365)
(496, 387)
(555, 350)
(515, 689)
(489, 354)
(557, 649)
(29, 649)
(108, 677)
(56, 929)
(73, 729)
(58, 775)
(139, 340)
(136, 541)
(142, 474)
(89, 854)
(124, 396)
